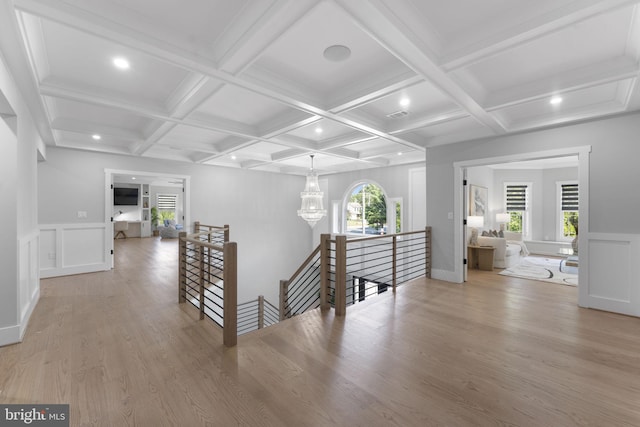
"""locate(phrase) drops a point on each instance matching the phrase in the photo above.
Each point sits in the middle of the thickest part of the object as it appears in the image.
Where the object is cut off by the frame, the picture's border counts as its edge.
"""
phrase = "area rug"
(543, 269)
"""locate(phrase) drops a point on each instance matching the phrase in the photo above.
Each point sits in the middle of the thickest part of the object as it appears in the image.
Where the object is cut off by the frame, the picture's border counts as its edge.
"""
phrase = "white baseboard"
(77, 269)
(10, 335)
(445, 275)
(14, 334)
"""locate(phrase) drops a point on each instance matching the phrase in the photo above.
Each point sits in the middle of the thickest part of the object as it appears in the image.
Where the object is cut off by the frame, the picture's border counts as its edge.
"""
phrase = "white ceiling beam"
(75, 94)
(291, 153)
(572, 13)
(378, 20)
(605, 72)
(258, 27)
(234, 143)
(186, 90)
(89, 128)
(286, 123)
(404, 125)
(15, 55)
(160, 131)
(577, 114)
(375, 95)
(346, 140)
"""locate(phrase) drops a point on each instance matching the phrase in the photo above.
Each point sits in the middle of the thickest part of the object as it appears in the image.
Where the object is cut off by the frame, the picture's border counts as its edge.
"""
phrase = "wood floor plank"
(121, 351)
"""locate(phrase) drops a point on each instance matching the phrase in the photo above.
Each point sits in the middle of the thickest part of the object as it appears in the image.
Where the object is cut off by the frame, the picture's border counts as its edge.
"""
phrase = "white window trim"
(347, 196)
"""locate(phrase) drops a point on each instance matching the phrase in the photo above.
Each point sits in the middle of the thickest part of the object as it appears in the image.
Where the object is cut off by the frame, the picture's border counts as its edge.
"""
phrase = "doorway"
(460, 211)
(139, 214)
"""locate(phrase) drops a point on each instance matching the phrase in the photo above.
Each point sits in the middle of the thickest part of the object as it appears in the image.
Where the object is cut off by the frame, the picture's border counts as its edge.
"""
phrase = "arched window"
(366, 210)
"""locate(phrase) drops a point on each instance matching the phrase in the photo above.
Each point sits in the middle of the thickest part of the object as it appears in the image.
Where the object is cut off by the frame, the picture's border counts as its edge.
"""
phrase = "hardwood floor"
(119, 349)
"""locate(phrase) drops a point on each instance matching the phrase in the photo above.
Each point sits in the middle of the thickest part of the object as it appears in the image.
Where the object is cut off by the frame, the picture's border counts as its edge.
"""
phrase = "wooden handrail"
(304, 264)
(378, 236)
(205, 244)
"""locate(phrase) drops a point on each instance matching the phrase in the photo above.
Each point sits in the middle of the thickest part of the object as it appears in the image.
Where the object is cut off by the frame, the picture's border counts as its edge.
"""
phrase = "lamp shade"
(502, 218)
(475, 221)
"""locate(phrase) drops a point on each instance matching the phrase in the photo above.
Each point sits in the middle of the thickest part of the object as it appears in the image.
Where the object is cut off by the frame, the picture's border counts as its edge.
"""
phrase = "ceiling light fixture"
(133, 177)
(318, 130)
(404, 102)
(233, 157)
(311, 208)
(337, 53)
(121, 63)
(555, 100)
(96, 137)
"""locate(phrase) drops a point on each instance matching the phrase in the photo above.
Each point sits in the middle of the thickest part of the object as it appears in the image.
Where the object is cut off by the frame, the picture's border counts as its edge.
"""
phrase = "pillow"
(494, 233)
(500, 233)
(485, 233)
(171, 223)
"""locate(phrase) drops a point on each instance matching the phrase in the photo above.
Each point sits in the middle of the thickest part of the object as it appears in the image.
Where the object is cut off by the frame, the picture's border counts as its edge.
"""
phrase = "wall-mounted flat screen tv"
(125, 196)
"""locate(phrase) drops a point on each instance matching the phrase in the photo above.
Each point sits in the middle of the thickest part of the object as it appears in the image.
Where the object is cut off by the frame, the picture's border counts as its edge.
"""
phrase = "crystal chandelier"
(311, 208)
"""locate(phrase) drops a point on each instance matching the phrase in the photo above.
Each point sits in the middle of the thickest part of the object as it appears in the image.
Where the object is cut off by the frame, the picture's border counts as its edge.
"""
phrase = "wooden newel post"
(230, 294)
(196, 227)
(260, 312)
(284, 288)
(341, 276)
(226, 232)
(324, 271)
(182, 268)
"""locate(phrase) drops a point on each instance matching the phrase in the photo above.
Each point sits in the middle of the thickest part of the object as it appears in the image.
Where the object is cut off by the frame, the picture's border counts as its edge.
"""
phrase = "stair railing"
(342, 271)
(256, 314)
(302, 291)
(208, 276)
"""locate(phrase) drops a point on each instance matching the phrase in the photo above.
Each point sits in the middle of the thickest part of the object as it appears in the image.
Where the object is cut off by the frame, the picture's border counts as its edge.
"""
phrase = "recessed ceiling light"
(133, 177)
(399, 153)
(96, 137)
(555, 100)
(404, 102)
(233, 157)
(121, 63)
(337, 53)
(318, 130)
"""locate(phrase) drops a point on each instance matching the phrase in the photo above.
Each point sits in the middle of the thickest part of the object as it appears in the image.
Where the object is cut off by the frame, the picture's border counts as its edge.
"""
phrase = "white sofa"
(510, 249)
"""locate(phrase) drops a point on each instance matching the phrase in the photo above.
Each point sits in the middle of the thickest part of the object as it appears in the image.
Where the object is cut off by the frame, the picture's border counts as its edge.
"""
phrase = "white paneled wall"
(612, 273)
(28, 277)
(72, 249)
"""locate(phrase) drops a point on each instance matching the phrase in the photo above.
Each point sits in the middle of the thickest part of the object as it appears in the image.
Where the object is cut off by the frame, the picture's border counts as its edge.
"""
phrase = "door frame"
(108, 204)
(460, 245)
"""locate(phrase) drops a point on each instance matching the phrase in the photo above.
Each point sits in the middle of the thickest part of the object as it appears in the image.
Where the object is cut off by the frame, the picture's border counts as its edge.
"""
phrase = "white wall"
(19, 143)
(260, 207)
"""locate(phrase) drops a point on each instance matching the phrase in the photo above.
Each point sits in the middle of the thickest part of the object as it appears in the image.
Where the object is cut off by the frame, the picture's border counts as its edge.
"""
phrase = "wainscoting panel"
(612, 272)
(72, 249)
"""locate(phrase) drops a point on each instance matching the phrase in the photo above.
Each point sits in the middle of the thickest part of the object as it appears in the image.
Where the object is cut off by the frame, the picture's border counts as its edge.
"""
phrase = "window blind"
(516, 198)
(570, 197)
(167, 201)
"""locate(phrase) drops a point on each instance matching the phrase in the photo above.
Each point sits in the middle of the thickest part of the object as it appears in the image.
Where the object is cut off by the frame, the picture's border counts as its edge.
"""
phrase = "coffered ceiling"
(250, 83)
